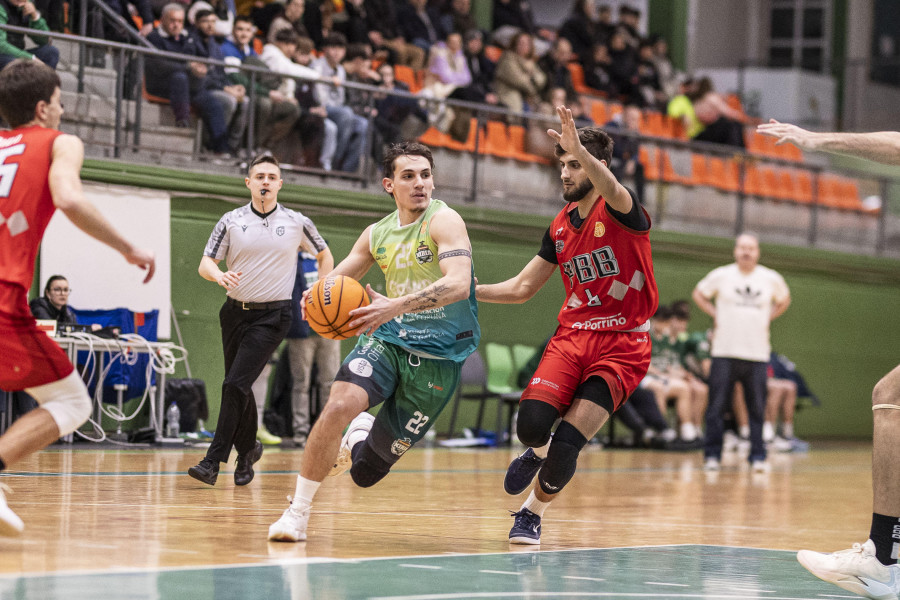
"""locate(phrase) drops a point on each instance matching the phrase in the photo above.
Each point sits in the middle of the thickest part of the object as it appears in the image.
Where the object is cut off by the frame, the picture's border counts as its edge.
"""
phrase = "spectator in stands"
(385, 35)
(623, 68)
(515, 16)
(641, 415)
(598, 71)
(629, 22)
(605, 25)
(223, 10)
(277, 56)
(22, 13)
(555, 65)
(354, 23)
(481, 67)
(276, 112)
(581, 28)
(351, 128)
(457, 16)
(693, 353)
(518, 79)
(319, 20)
(397, 118)
(681, 107)
(721, 123)
(232, 97)
(648, 81)
(420, 24)
(668, 77)
(625, 162)
(291, 18)
(318, 133)
(447, 67)
(53, 12)
(183, 84)
(357, 64)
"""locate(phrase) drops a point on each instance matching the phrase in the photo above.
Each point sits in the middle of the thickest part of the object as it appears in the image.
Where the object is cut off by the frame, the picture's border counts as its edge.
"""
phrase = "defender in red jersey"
(39, 172)
(601, 349)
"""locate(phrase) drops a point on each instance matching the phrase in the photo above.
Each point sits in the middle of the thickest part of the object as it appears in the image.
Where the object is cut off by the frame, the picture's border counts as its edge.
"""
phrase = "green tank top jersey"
(407, 256)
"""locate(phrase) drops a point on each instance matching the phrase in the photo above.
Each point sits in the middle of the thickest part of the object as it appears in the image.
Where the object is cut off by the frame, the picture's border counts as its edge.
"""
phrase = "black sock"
(2, 464)
(885, 533)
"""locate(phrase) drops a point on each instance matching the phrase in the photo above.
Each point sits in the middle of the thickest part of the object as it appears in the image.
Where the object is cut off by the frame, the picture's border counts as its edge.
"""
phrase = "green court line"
(657, 572)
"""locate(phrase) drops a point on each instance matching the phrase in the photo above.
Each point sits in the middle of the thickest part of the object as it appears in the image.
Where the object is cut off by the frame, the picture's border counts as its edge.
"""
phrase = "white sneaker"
(357, 430)
(10, 523)
(711, 464)
(856, 570)
(729, 441)
(291, 527)
(779, 444)
(760, 466)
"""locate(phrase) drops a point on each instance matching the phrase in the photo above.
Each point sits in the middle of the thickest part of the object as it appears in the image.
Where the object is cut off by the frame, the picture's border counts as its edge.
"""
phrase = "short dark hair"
(305, 45)
(202, 14)
(595, 141)
(395, 151)
(286, 36)
(24, 83)
(681, 309)
(263, 158)
(243, 19)
(663, 313)
(335, 40)
(355, 51)
(51, 280)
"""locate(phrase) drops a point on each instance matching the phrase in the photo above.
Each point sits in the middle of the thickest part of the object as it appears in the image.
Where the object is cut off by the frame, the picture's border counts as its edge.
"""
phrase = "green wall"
(840, 330)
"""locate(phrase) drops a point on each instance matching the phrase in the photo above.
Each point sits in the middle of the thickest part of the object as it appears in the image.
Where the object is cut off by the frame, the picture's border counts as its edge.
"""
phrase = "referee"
(259, 243)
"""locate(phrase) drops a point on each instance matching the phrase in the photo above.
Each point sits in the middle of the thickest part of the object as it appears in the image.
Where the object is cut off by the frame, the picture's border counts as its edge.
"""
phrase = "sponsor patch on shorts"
(361, 367)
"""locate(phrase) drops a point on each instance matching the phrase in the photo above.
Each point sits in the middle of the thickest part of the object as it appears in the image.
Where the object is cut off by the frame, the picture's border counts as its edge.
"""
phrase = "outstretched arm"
(65, 187)
(455, 259)
(597, 170)
(880, 146)
(521, 287)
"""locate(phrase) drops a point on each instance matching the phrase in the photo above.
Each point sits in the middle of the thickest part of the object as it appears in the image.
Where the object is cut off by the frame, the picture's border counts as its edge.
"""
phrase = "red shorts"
(574, 355)
(28, 357)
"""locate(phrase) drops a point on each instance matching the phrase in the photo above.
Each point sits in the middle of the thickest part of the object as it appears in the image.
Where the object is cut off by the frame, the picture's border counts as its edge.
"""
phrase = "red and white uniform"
(607, 271)
(28, 357)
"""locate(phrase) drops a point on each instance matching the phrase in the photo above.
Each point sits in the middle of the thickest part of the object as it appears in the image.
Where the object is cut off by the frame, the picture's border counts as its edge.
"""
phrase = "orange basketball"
(329, 303)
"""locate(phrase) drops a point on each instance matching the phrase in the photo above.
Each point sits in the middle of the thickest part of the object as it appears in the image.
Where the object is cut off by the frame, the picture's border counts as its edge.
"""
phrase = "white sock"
(768, 432)
(535, 505)
(744, 431)
(787, 430)
(304, 492)
(688, 432)
(541, 452)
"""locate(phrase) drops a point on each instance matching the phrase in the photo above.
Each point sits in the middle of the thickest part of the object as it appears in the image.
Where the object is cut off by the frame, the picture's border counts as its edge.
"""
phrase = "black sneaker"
(206, 471)
(527, 528)
(521, 472)
(243, 470)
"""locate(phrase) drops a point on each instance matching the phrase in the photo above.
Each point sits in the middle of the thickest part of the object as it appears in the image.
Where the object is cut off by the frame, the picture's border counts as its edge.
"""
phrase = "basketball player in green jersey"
(413, 340)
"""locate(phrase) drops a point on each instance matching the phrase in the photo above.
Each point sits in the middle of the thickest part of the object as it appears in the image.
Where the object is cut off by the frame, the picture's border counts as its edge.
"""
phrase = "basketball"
(329, 303)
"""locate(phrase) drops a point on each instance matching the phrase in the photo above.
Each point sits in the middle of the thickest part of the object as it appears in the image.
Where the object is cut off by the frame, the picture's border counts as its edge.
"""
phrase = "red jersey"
(25, 201)
(607, 270)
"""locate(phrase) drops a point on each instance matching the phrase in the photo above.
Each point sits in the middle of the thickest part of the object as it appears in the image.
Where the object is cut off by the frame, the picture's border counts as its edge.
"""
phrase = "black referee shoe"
(243, 470)
(206, 471)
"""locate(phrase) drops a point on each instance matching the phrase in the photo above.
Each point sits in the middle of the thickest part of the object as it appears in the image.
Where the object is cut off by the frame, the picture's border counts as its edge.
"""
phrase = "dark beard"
(578, 192)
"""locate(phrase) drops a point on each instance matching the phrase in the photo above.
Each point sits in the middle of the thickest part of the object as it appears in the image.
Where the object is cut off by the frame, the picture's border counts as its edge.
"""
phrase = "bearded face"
(577, 191)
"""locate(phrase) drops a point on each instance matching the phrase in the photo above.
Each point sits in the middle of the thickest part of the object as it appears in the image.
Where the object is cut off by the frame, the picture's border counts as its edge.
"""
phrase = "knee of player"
(887, 390)
(364, 475)
(562, 458)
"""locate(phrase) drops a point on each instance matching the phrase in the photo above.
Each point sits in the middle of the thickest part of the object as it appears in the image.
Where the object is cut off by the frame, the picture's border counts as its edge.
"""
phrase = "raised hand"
(568, 138)
(787, 133)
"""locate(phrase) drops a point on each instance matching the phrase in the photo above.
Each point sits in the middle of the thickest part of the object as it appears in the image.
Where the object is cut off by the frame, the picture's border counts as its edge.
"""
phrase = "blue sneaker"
(521, 472)
(527, 528)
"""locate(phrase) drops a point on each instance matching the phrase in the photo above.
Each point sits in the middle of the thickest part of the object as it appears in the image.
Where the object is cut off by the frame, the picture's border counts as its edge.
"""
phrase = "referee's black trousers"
(249, 337)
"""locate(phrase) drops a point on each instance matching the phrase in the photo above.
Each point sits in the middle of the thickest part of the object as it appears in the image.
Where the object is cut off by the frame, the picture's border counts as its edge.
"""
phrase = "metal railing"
(126, 54)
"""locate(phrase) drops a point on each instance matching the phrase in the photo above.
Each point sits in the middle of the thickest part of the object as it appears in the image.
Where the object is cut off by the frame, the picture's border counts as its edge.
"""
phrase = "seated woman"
(721, 123)
(54, 304)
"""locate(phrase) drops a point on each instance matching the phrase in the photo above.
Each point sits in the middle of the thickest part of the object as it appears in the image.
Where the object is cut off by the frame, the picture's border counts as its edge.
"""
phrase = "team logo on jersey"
(559, 246)
(243, 228)
(399, 447)
(424, 253)
(280, 230)
(423, 227)
(599, 229)
(559, 231)
(535, 381)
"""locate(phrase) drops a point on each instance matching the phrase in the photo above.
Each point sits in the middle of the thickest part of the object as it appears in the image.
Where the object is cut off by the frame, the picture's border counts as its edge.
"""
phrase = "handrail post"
(120, 87)
(473, 190)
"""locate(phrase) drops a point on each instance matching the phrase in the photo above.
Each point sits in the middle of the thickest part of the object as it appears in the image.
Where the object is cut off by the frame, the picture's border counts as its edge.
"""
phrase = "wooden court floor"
(632, 524)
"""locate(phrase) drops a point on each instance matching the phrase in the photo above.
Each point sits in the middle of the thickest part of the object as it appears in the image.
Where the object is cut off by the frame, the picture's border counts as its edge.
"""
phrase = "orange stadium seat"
(649, 157)
(493, 53)
(599, 111)
(469, 145)
(577, 73)
(653, 123)
(668, 171)
(408, 76)
(517, 146)
(770, 183)
(723, 174)
(676, 126)
(699, 170)
(435, 138)
(496, 140)
(804, 189)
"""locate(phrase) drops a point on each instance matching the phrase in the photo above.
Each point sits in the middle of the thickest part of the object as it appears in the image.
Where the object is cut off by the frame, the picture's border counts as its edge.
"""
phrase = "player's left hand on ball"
(371, 317)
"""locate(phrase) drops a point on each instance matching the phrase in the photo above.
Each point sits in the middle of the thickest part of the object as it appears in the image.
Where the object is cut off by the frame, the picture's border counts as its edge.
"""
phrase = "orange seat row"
(496, 139)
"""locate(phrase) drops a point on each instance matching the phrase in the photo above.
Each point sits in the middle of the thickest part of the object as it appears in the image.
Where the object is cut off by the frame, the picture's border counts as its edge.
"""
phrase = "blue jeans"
(351, 137)
(723, 374)
(49, 55)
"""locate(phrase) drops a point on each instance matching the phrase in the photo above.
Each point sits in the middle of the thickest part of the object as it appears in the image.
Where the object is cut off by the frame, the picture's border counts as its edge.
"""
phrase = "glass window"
(782, 23)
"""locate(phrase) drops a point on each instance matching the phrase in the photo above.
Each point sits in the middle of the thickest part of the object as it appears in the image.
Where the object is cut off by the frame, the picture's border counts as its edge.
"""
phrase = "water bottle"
(173, 416)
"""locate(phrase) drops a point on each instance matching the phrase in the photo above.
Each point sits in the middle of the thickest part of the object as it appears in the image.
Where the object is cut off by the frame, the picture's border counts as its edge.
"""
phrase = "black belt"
(258, 305)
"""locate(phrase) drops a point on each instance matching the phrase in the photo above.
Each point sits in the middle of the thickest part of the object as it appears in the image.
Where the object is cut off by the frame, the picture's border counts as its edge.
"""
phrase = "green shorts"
(414, 390)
